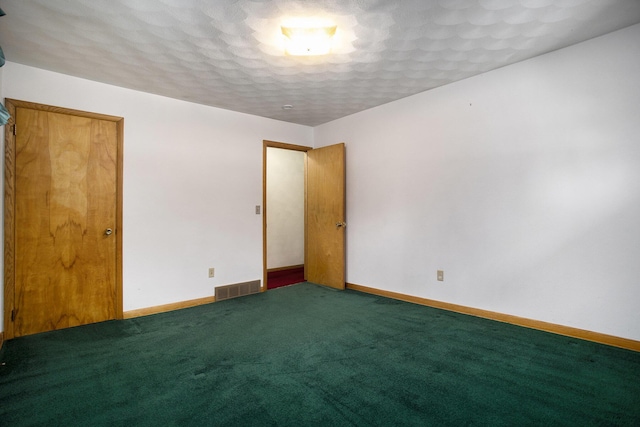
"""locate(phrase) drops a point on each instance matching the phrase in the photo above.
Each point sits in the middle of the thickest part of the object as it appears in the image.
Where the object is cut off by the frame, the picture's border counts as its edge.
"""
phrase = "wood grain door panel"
(66, 196)
(325, 239)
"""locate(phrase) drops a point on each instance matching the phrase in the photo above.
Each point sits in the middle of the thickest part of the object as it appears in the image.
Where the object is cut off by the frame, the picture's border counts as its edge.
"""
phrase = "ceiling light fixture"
(307, 40)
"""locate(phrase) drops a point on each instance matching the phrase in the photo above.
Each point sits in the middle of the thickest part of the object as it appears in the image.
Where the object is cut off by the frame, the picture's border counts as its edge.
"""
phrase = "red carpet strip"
(276, 279)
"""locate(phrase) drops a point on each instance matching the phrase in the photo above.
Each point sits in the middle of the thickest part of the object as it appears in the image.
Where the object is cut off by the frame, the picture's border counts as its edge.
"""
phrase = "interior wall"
(192, 179)
(285, 207)
(522, 184)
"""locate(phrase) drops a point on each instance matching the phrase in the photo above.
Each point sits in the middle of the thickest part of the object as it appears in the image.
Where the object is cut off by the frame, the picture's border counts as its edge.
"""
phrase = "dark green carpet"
(307, 355)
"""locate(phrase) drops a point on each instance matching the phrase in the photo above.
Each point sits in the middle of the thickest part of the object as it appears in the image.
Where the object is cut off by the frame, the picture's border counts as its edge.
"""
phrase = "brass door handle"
(108, 231)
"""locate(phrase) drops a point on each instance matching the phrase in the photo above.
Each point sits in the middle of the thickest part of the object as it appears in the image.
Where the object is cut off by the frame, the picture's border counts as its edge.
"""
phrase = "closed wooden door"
(66, 220)
(325, 224)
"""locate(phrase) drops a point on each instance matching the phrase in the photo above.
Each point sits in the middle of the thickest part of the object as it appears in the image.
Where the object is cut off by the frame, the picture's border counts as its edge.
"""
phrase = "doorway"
(63, 218)
(284, 171)
(285, 219)
(324, 215)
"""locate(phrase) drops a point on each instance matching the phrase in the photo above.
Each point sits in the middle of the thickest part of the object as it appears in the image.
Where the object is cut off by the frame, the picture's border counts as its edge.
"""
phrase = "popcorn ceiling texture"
(229, 54)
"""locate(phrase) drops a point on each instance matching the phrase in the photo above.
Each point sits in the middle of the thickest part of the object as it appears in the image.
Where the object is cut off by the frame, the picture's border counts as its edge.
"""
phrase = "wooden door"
(67, 215)
(325, 212)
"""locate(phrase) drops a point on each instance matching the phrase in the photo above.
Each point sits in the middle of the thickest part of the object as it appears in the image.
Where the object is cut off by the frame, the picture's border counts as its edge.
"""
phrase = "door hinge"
(15, 132)
(13, 315)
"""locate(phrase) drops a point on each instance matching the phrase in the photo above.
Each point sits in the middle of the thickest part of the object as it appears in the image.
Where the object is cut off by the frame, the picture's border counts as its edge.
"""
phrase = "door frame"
(10, 203)
(274, 144)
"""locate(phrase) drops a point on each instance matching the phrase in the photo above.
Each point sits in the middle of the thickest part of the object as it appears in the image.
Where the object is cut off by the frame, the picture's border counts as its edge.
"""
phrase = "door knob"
(108, 231)
(341, 224)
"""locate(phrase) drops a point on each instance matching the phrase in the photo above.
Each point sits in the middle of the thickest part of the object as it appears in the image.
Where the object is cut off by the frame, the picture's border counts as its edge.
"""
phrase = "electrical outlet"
(440, 275)
(212, 272)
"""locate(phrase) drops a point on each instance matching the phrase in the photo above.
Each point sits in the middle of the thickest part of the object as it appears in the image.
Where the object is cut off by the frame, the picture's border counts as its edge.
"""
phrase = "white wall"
(522, 184)
(285, 207)
(192, 179)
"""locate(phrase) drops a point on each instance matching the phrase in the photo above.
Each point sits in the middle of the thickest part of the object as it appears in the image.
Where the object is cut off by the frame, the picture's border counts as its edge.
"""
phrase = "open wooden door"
(325, 216)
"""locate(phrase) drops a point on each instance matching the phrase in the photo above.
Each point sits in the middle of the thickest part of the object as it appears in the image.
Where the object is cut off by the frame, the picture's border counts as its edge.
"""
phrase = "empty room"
(274, 212)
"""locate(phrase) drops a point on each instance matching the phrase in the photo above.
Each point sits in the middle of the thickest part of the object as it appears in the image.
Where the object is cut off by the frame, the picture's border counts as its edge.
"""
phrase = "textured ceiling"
(229, 54)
